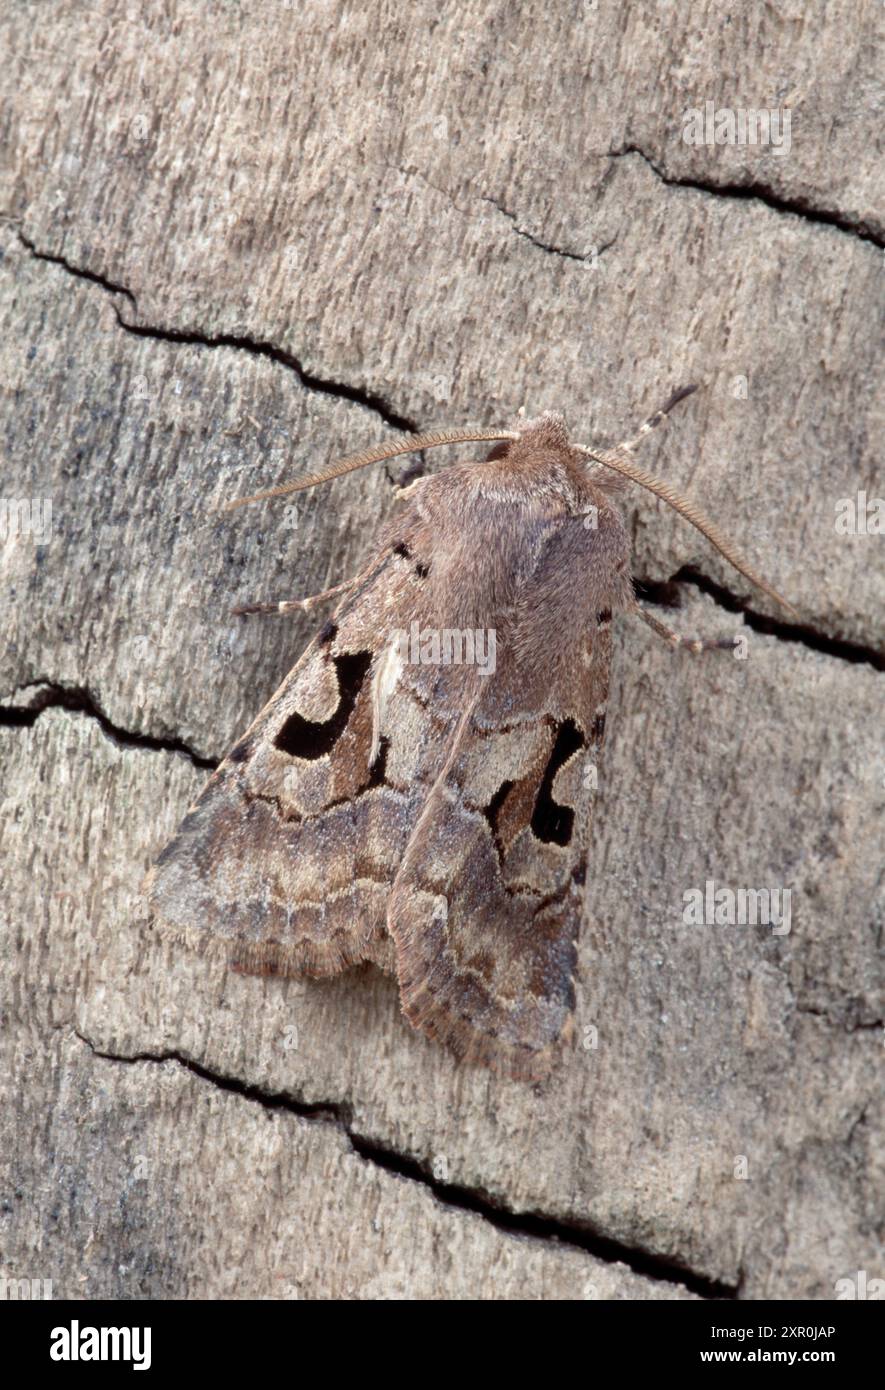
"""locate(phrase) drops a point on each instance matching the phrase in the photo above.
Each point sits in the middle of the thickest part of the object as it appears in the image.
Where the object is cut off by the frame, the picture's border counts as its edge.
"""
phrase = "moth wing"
(486, 908)
(284, 863)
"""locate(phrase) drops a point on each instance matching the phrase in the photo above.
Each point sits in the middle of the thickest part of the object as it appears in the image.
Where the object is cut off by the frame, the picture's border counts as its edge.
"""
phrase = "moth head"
(541, 440)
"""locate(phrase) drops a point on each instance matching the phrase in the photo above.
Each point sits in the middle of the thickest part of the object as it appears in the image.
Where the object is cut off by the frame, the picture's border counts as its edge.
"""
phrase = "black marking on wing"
(305, 738)
(491, 813)
(240, 751)
(378, 770)
(551, 822)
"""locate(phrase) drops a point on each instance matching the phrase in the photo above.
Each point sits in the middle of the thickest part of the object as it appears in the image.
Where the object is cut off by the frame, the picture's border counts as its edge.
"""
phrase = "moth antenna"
(622, 463)
(619, 459)
(377, 454)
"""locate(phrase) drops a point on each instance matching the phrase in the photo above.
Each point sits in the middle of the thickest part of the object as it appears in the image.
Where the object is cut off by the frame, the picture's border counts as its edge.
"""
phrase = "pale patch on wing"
(385, 680)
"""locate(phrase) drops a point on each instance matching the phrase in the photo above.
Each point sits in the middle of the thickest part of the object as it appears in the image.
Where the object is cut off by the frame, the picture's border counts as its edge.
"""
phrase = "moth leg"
(295, 605)
(659, 418)
(694, 644)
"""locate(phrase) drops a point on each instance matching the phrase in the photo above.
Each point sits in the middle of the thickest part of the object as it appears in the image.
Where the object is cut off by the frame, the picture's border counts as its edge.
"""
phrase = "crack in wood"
(257, 347)
(760, 193)
(534, 1225)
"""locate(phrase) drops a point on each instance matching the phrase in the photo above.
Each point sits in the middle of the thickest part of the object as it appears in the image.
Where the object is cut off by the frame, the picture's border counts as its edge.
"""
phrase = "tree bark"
(239, 241)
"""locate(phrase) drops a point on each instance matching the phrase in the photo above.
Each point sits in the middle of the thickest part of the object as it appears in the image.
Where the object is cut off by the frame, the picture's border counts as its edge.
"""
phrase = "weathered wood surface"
(240, 240)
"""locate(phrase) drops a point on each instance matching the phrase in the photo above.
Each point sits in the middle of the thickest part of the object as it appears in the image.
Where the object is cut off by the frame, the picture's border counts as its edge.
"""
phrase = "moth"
(399, 803)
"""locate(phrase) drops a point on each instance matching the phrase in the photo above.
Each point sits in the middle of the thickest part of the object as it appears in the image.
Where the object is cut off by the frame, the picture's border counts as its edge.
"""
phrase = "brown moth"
(396, 803)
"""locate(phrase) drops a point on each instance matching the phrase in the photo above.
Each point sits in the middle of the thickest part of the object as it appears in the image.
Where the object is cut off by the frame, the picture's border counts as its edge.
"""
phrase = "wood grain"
(237, 244)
